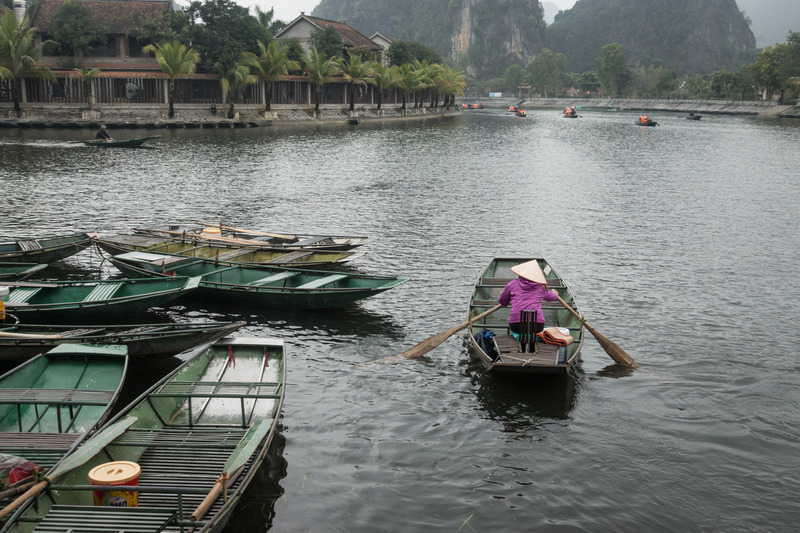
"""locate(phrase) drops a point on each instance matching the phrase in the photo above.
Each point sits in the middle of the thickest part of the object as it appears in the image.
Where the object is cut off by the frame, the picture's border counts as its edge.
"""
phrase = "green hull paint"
(44, 250)
(18, 271)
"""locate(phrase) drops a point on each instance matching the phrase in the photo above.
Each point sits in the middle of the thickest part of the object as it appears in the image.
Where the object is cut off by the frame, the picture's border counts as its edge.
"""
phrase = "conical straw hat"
(530, 271)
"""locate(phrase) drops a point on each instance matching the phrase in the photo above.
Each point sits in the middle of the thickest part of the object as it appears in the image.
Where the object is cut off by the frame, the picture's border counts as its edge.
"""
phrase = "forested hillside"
(483, 36)
(689, 36)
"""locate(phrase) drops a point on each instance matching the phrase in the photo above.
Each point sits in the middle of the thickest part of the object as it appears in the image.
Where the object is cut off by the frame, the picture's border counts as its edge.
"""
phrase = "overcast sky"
(288, 10)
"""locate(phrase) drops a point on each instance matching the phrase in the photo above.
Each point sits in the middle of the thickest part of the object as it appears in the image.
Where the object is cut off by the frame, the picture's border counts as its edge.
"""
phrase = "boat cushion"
(556, 336)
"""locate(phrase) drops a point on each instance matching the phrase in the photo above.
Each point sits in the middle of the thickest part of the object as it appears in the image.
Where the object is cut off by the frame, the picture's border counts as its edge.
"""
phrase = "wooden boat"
(263, 239)
(121, 143)
(52, 403)
(64, 302)
(145, 342)
(202, 430)
(223, 253)
(520, 113)
(549, 358)
(263, 286)
(18, 271)
(692, 116)
(648, 122)
(42, 250)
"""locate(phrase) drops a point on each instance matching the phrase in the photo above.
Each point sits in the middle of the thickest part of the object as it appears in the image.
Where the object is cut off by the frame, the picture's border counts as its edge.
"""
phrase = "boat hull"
(549, 359)
(18, 271)
(125, 143)
(44, 250)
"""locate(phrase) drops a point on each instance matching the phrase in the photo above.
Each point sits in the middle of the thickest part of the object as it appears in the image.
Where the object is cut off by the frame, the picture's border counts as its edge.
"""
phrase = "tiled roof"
(116, 16)
(350, 36)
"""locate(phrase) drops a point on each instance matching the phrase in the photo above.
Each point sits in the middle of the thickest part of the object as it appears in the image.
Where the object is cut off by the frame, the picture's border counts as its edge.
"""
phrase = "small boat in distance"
(501, 351)
(693, 116)
(646, 122)
(146, 342)
(193, 442)
(43, 249)
(520, 113)
(124, 143)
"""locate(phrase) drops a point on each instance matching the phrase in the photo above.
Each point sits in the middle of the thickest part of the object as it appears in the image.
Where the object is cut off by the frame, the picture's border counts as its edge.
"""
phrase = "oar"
(433, 341)
(612, 349)
(91, 448)
(12, 335)
(249, 231)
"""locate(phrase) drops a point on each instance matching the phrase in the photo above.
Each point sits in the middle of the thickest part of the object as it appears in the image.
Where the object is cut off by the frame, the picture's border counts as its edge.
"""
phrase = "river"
(680, 243)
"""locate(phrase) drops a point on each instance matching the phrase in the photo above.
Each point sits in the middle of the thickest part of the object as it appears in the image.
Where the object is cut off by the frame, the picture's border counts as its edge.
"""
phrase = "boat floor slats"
(325, 280)
(198, 389)
(22, 294)
(546, 354)
(37, 441)
(181, 438)
(29, 245)
(85, 519)
(311, 241)
(288, 258)
(55, 396)
(102, 291)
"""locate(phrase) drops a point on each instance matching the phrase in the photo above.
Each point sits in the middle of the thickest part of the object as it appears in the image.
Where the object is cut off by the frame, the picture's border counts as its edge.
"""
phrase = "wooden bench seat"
(102, 291)
(55, 397)
(320, 282)
(273, 278)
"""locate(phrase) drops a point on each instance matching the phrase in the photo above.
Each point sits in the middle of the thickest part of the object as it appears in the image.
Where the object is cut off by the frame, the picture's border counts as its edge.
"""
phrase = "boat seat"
(55, 396)
(319, 282)
(84, 518)
(310, 241)
(273, 278)
(288, 258)
(527, 333)
(214, 389)
(22, 294)
(182, 437)
(102, 291)
(29, 245)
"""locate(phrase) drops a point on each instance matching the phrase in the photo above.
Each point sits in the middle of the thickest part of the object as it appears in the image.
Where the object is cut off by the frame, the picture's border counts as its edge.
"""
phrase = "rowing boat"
(18, 271)
(264, 239)
(223, 253)
(42, 250)
(52, 403)
(548, 358)
(122, 143)
(201, 431)
(265, 287)
(146, 342)
(64, 302)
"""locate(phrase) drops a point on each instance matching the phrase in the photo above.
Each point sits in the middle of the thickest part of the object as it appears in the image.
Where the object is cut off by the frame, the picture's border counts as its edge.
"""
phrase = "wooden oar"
(433, 341)
(612, 349)
(12, 335)
(249, 231)
(91, 448)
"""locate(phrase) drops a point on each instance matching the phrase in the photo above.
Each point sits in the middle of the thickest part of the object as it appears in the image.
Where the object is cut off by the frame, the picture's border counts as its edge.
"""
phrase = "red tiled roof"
(350, 36)
(117, 17)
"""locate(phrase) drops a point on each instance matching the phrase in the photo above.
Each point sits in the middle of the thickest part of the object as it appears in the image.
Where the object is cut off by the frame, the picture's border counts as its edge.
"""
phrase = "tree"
(328, 42)
(233, 79)
(19, 56)
(320, 68)
(357, 72)
(406, 81)
(385, 78)
(86, 76)
(266, 19)
(611, 69)
(513, 76)
(270, 65)
(546, 70)
(401, 52)
(295, 52)
(175, 60)
(588, 81)
(74, 30)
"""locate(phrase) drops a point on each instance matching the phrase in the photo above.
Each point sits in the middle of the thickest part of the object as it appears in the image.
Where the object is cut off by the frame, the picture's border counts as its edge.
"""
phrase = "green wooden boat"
(146, 342)
(549, 358)
(268, 287)
(223, 253)
(50, 405)
(64, 302)
(121, 143)
(202, 430)
(42, 250)
(19, 271)
(265, 239)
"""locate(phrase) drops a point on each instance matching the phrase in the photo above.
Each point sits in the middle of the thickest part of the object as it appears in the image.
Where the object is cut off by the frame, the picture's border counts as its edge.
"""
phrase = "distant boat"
(126, 143)
(692, 116)
(521, 113)
(42, 249)
(648, 122)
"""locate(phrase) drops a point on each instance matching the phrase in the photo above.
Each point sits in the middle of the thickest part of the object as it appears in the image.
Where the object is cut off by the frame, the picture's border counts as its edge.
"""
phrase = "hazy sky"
(288, 10)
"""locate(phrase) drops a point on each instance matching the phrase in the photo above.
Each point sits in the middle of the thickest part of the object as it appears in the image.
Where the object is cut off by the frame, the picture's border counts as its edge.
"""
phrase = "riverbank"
(196, 117)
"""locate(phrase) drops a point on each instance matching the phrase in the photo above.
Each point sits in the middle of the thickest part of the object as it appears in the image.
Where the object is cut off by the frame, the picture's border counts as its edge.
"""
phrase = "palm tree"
(320, 68)
(357, 72)
(454, 84)
(406, 82)
(422, 81)
(86, 76)
(175, 59)
(19, 56)
(385, 78)
(270, 65)
(234, 79)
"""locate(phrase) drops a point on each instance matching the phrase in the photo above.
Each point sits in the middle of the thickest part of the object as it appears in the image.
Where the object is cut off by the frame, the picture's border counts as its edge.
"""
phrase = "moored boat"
(120, 143)
(263, 239)
(145, 342)
(52, 403)
(502, 352)
(201, 431)
(64, 302)
(223, 253)
(42, 250)
(19, 271)
(269, 287)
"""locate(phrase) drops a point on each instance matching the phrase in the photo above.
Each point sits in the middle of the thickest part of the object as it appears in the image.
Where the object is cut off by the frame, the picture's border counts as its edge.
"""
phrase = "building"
(384, 42)
(304, 26)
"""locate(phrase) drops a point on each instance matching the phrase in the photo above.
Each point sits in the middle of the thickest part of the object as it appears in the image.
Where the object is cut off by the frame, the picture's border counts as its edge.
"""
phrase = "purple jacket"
(525, 295)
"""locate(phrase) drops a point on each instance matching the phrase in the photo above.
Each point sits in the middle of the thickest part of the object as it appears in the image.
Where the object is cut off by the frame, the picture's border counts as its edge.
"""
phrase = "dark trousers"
(537, 328)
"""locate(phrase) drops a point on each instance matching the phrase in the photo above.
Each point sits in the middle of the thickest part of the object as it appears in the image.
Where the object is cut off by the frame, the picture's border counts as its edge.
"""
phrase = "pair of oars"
(611, 348)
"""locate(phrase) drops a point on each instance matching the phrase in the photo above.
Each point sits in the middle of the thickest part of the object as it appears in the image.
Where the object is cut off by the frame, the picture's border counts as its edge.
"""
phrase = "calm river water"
(680, 243)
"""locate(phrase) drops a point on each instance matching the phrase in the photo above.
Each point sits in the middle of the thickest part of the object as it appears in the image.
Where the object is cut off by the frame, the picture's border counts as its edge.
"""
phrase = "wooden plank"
(22, 294)
(273, 278)
(55, 396)
(288, 258)
(103, 291)
(319, 282)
